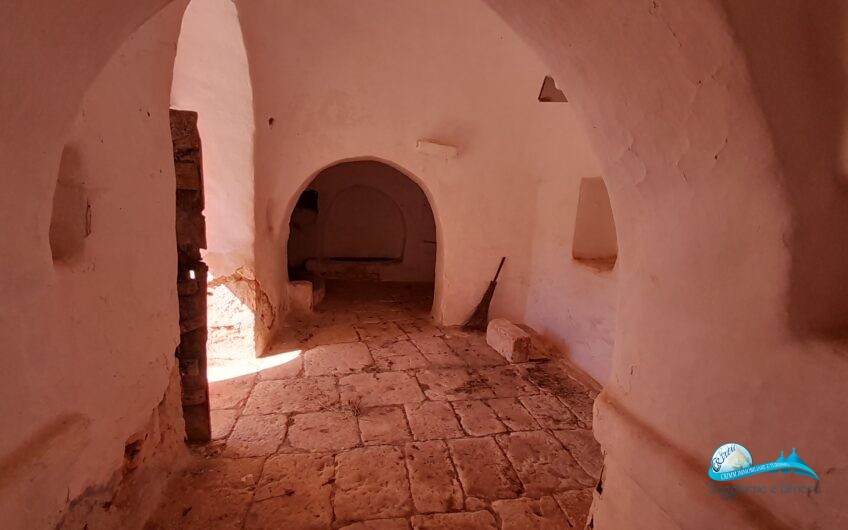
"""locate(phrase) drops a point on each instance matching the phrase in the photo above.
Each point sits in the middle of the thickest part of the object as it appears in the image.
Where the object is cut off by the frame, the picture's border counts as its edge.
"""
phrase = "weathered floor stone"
(472, 348)
(455, 521)
(387, 482)
(477, 418)
(294, 492)
(507, 381)
(549, 411)
(230, 393)
(453, 384)
(401, 355)
(287, 370)
(523, 513)
(332, 334)
(436, 351)
(211, 493)
(576, 505)
(584, 448)
(223, 421)
(432, 478)
(379, 524)
(256, 435)
(323, 431)
(383, 426)
(371, 483)
(543, 466)
(513, 414)
(337, 359)
(431, 420)
(581, 405)
(292, 395)
(374, 390)
(483, 469)
(380, 331)
(420, 327)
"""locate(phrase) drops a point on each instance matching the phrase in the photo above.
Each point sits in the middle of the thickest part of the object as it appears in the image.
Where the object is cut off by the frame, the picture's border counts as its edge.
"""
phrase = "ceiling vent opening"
(550, 93)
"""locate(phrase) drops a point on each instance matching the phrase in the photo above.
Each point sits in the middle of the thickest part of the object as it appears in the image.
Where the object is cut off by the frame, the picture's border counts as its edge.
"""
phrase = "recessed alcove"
(70, 221)
(550, 93)
(595, 242)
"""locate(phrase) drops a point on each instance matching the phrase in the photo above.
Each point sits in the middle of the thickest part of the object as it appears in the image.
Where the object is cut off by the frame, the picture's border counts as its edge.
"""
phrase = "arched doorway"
(363, 226)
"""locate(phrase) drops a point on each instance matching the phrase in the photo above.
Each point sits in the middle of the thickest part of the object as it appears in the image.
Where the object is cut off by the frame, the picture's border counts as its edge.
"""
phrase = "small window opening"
(595, 241)
(550, 93)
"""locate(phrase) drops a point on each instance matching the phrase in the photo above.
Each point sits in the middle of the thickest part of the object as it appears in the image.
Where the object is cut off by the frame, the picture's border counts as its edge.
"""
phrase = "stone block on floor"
(509, 340)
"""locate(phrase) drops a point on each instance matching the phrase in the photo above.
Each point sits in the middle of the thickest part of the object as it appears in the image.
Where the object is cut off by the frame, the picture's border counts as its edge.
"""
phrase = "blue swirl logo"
(732, 461)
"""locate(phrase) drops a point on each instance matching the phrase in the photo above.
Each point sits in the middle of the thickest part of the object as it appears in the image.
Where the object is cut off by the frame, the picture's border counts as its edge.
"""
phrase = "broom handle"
(499, 270)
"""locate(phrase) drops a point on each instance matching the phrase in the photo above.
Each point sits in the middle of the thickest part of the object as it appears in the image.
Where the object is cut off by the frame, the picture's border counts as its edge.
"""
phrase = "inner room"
(360, 221)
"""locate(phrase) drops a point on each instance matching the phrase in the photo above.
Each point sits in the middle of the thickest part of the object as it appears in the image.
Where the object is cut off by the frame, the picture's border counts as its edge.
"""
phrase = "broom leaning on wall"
(480, 318)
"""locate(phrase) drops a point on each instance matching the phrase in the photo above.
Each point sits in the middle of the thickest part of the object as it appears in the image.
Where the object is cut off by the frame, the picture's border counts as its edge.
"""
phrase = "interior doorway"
(362, 222)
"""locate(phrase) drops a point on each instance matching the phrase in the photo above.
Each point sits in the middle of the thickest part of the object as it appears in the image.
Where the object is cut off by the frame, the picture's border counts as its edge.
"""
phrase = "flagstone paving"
(388, 421)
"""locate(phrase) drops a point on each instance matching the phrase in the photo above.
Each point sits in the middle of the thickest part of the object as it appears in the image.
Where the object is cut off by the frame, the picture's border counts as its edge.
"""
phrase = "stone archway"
(362, 220)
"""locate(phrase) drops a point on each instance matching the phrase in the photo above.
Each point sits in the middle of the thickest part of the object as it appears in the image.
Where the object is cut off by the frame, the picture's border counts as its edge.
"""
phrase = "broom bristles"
(480, 318)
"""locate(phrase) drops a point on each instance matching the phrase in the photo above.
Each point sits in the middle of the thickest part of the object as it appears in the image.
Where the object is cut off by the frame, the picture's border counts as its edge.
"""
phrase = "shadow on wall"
(803, 89)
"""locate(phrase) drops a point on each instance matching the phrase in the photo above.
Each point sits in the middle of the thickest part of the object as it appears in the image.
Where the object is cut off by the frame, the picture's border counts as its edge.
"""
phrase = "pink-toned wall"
(706, 349)
(369, 209)
(212, 77)
(344, 81)
(88, 342)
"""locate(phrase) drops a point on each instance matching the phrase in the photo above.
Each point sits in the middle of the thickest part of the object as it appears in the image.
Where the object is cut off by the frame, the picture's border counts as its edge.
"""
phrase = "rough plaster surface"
(511, 190)
(703, 212)
(85, 334)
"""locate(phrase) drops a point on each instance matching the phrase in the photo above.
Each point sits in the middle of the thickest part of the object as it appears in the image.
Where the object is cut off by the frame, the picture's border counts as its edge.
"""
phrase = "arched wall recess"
(70, 221)
(595, 241)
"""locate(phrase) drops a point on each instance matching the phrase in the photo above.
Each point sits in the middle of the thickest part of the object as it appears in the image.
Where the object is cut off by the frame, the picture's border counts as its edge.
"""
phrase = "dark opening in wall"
(70, 221)
(362, 220)
(595, 241)
(549, 92)
(308, 200)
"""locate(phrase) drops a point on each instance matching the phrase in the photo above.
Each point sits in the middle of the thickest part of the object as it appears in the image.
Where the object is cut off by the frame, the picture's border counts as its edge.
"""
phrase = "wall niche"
(595, 241)
(70, 221)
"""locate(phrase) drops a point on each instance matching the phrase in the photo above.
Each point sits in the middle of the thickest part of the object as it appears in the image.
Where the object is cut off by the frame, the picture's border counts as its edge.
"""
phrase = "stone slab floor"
(387, 421)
